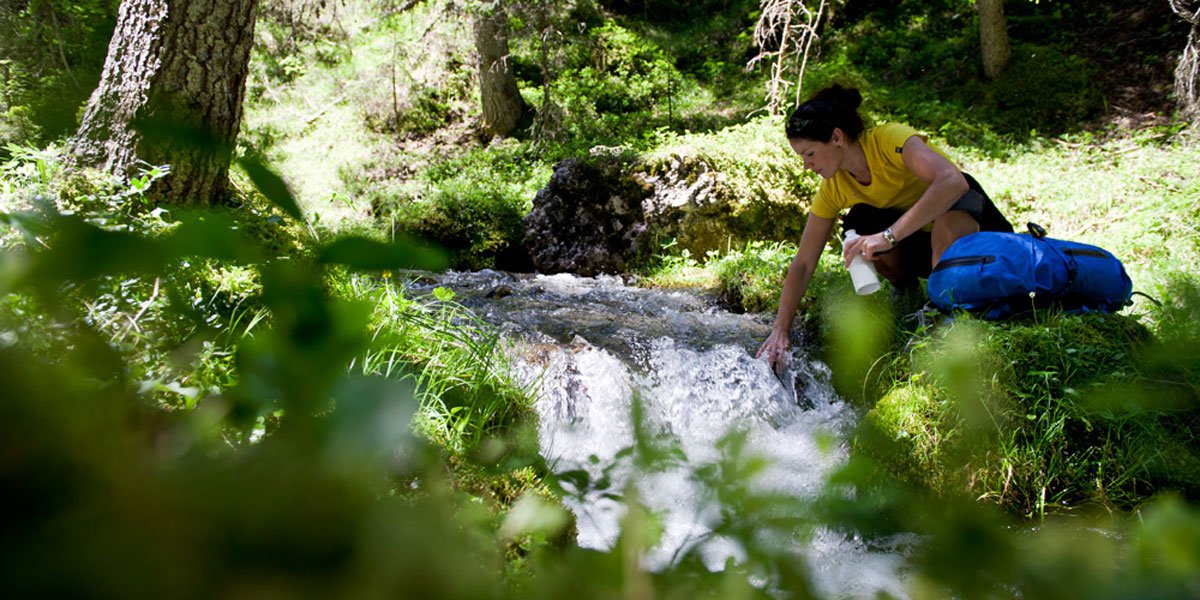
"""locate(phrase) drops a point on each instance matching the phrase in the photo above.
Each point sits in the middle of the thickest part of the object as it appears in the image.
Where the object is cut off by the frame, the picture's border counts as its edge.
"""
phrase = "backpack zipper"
(963, 260)
(1085, 252)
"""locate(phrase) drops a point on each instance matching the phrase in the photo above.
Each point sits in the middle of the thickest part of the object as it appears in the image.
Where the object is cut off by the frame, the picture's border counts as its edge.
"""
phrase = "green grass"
(456, 361)
(1133, 194)
(1036, 416)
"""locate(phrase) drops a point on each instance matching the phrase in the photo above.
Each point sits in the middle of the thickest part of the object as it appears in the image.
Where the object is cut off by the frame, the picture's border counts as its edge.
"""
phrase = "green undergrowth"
(457, 361)
(1053, 413)
(919, 62)
(187, 299)
(472, 204)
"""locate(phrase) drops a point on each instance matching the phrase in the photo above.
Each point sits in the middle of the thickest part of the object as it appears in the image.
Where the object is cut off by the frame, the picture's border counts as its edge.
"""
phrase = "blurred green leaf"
(272, 186)
(79, 251)
(211, 235)
(370, 255)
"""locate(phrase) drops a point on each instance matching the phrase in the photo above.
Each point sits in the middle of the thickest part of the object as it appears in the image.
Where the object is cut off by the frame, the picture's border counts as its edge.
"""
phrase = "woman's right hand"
(775, 349)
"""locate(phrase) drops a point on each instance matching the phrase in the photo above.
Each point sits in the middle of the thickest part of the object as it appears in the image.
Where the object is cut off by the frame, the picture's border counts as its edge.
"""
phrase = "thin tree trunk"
(1187, 71)
(503, 107)
(993, 37)
(171, 93)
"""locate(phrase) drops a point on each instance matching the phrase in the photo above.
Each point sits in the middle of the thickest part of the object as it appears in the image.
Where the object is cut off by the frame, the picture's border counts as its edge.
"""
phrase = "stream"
(591, 346)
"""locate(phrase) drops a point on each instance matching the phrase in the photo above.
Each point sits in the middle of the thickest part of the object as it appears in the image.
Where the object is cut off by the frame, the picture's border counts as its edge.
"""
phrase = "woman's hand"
(869, 246)
(775, 349)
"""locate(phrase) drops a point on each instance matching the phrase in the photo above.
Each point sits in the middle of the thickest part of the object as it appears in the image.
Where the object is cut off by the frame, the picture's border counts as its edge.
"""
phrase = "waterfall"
(599, 352)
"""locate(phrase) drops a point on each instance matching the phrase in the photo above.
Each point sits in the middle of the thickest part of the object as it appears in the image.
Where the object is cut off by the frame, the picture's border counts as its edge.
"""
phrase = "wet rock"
(588, 219)
(500, 291)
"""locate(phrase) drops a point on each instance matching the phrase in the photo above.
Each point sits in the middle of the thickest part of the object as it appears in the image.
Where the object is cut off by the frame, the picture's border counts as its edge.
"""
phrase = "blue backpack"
(1000, 274)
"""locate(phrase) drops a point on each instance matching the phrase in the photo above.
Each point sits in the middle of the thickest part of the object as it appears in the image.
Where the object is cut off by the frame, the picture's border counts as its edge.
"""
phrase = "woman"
(906, 200)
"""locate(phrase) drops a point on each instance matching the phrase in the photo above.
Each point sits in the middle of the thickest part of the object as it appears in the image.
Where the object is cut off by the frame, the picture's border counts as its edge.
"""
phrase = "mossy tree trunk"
(1187, 71)
(171, 93)
(503, 107)
(993, 37)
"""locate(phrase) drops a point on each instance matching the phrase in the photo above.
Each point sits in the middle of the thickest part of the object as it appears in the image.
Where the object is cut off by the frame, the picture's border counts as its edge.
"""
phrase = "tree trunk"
(503, 107)
(1187, 71)
(171, 93)
(993, 37)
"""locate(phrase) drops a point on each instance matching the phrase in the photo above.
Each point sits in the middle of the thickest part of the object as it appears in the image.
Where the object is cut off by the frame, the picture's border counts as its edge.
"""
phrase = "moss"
(920, 430)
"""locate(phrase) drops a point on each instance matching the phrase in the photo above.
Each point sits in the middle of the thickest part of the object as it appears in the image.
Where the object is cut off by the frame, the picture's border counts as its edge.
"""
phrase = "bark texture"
(993, 37)
(503, 107)
(1187, 71)
(171, 93)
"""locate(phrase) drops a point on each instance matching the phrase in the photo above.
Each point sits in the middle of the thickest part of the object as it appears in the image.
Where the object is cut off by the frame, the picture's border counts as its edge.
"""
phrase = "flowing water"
(593, 347)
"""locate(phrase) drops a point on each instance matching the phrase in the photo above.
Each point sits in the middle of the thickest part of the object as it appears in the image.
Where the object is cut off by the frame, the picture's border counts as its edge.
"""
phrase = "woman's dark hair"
(834, 106)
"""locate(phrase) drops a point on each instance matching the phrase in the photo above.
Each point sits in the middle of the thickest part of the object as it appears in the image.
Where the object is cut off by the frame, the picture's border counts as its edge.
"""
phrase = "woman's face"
(822, 158)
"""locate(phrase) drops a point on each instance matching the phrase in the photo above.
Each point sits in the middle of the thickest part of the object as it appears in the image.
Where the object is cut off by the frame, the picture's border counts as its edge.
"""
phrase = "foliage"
(750, 278)
(411, 95)
(53, 52)
(291, 34)
(337, 495)
(232, 414)
(183, 322)
(669, 268)
(473, 205)
(485, 230)
(611, 81)
(465, 393)
(1061, 426)
(916, 73)
(1041, 91)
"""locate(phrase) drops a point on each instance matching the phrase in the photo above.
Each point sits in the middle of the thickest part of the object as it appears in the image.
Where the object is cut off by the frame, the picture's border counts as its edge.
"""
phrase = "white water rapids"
(591, 346)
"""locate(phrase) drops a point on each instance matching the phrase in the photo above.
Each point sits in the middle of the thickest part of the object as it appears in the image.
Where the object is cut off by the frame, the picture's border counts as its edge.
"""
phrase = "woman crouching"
(905, 199)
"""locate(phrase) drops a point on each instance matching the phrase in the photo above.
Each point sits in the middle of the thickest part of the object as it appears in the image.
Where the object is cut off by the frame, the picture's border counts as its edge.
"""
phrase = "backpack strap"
(1039, 233)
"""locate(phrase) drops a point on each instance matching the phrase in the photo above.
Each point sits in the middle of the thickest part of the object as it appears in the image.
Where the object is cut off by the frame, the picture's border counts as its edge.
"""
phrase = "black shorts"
(916, 250)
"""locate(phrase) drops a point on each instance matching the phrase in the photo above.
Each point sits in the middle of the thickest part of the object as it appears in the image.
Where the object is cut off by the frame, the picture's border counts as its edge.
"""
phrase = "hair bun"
(836, 94)
(830, 108)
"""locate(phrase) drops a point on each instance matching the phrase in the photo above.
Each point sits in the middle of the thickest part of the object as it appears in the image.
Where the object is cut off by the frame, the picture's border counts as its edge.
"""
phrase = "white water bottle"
(862, 271)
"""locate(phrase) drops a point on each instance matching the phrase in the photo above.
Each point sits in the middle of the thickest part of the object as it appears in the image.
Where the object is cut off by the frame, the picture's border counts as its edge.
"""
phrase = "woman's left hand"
(869, 246)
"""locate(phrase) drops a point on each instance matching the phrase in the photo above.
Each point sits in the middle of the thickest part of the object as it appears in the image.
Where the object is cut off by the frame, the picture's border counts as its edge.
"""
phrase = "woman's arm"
(816, 233)
(946, 186)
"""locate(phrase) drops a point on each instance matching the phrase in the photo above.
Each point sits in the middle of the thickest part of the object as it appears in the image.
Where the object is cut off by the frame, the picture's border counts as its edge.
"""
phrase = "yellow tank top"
(893, 185)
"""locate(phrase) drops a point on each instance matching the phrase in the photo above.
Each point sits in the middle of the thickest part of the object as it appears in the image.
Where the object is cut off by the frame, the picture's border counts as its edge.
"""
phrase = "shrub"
(1042, 90)
(480, 229)
(612, 76)
(53, 53)
(473, 205)
(750, 279)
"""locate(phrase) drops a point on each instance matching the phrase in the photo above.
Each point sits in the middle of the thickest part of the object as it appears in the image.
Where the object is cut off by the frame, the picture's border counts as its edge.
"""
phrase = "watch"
(889, 236)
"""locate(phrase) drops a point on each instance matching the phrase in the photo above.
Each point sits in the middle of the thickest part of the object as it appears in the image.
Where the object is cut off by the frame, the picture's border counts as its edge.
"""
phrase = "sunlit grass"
(458, 362)
(1136, 195)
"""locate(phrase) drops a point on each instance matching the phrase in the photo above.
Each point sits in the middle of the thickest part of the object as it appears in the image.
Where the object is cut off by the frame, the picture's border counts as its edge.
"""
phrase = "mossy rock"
(703, 208)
